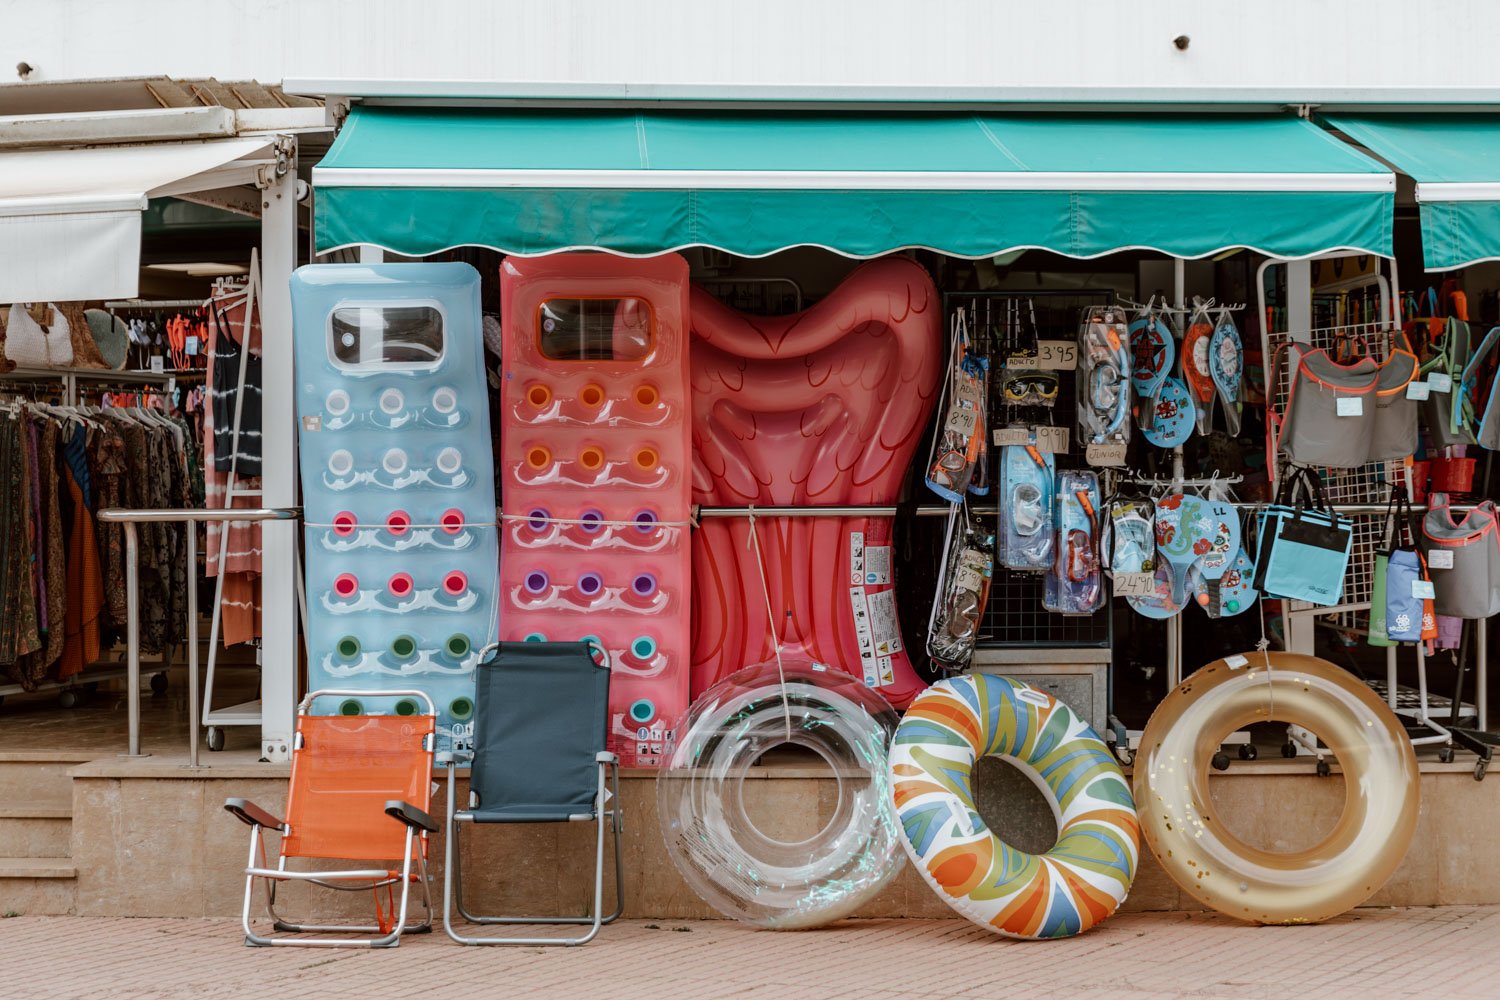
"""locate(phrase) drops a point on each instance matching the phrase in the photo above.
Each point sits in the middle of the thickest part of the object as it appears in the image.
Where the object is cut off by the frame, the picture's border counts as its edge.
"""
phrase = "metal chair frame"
(418, 827)
(453, 873)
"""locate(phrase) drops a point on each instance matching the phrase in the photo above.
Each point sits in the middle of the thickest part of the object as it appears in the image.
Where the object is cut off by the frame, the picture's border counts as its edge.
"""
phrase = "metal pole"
(878, 510)
(192, 663)
(132, 642)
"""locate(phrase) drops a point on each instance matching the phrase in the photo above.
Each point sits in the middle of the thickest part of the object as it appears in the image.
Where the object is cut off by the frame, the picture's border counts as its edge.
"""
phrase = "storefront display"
(743, 870)
(1206, 858)
(819, 409)
(1083, 879)
(398, 492)
(596, 473)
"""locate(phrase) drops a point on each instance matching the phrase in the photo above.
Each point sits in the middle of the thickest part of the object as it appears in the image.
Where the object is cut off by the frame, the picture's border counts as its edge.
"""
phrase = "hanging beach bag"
(1330, 412)
(1407, 603)
(1476, 400)
(1394, 436)
(1304, 546)
(1464, 558)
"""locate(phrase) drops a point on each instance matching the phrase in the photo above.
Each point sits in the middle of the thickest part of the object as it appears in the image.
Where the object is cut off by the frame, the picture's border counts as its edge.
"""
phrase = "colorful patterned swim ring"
(1086, 875)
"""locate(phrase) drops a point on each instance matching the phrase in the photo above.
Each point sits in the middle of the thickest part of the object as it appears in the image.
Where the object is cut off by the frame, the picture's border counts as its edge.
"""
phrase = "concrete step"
(37, 868)
(39, 777)
(37, 886)
(36, 830)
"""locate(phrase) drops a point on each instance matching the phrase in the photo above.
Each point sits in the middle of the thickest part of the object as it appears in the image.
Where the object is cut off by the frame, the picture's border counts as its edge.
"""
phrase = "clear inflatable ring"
(1086, 875)
(1381, 788)
(732, 864)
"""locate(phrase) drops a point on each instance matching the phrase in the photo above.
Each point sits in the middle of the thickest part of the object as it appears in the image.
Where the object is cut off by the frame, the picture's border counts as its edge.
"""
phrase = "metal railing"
(129, 519)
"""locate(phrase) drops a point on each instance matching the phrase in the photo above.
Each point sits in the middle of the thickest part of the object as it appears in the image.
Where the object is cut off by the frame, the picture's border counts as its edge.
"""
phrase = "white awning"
(70, 219)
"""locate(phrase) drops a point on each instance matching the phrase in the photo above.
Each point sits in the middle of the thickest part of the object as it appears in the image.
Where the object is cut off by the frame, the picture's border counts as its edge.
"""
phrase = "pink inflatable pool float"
(595, 476)
(823, 408)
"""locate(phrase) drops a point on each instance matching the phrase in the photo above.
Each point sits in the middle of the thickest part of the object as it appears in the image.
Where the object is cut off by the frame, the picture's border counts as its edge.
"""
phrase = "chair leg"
(452, 881)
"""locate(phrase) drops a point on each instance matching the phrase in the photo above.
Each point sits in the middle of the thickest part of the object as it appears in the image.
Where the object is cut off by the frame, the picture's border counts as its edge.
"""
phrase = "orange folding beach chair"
(360, 790)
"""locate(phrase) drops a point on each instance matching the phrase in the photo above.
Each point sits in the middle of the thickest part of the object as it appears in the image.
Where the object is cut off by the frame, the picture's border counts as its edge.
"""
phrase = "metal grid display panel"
(1014, 616)
(1366, 484)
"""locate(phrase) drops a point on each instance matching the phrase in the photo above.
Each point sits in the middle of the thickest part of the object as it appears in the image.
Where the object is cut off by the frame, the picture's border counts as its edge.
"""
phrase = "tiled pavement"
(1445, 952)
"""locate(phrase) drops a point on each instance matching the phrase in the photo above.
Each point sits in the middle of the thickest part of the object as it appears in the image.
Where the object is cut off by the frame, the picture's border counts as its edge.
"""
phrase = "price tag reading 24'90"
(1134, 584)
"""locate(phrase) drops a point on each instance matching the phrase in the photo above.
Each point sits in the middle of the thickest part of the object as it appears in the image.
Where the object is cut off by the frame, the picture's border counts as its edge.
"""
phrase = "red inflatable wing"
(823, 408)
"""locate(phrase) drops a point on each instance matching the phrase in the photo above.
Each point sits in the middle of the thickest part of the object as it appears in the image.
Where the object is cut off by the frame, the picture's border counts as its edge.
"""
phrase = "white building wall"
(1278, 45)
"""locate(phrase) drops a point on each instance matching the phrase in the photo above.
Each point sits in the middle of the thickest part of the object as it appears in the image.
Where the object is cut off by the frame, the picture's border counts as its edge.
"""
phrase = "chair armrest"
(252, 814)
(605, 757)
(455, 757)
(410, 815)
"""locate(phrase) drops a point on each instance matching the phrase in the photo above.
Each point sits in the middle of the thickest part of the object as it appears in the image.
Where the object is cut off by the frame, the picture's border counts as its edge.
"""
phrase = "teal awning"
(420, 180)
(1455, 160)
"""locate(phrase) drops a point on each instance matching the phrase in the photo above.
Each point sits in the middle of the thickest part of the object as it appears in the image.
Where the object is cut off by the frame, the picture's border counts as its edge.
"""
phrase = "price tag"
(1440, 559)
(1439, 382)
(1018, 362)
(158, 364)
(1052, 439)
(1012, 435)
(1418, 390)
(1135, 584)
(962, 422)
(1236, 661)
(1422, 590)
(1350, 406)
(1109, 453)
(1057, 355)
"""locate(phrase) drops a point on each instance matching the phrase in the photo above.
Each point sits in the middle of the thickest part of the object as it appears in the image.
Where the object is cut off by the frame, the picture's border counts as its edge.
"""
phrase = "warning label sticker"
(885, 632)
(877, 565)
(856, 558)
(866, 638)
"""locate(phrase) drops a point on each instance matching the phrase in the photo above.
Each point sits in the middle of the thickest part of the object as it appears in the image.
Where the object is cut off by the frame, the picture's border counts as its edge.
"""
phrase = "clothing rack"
(70, 378)
(147, 304)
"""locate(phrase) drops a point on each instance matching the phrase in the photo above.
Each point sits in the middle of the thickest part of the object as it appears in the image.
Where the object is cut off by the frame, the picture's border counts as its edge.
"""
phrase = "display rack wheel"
(159, 683)
(67, 698)
(1445, 754)
(1248, 751)
(1220, 761)
(1323, 769)
(1480, 766)
(1288, 749)
(1201, 853)
(215, 737)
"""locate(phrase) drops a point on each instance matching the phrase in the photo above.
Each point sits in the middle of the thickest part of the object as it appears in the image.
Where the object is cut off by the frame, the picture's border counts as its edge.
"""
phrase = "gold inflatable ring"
(1180, 822)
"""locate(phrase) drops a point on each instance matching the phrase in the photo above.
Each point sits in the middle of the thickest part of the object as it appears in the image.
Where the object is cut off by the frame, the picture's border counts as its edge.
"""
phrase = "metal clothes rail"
(131, 518)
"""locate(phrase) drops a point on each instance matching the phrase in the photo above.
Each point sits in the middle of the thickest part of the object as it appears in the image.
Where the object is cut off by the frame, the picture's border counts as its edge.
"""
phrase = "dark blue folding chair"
(540, 721)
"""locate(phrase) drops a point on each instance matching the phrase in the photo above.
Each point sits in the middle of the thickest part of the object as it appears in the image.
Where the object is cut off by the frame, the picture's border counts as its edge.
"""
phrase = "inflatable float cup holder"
(646, 459)
(646, 396)
(347, 648)
(391, 402)
(351, 706)
(406, 706)
(591, 458)
(538, 395)
(538, 457)
(1086, 875)
(400, 585)
(457, 647)
(346, 585)
(451, 521)
(445, 399)
(723, 854)
(398, 522)
(336, 403)
(403, 648)
(591, 396)
(345, 523)
(591, 521)
(1181, 821)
